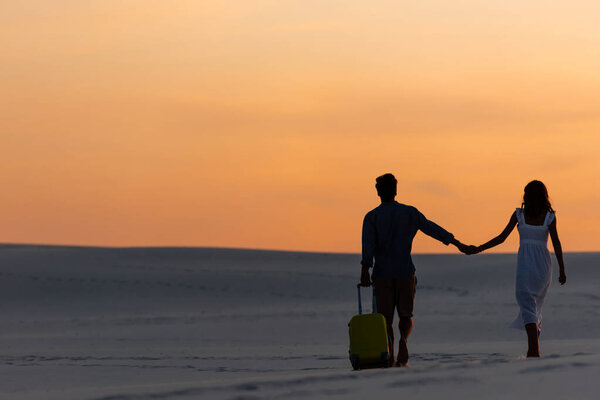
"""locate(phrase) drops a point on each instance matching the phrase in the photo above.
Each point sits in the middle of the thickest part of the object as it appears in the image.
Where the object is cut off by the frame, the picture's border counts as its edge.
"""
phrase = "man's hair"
(386, 185)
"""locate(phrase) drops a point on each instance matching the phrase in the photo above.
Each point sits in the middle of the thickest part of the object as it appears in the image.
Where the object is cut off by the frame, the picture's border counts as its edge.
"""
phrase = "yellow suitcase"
(368, 338)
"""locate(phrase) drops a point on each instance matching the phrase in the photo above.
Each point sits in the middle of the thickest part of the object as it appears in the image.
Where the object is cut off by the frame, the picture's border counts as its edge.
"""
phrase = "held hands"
(472, 250)
(468, 249)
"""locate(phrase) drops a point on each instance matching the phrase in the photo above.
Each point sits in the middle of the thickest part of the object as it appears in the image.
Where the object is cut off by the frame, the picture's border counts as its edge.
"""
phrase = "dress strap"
(519, 214)
(549, 218)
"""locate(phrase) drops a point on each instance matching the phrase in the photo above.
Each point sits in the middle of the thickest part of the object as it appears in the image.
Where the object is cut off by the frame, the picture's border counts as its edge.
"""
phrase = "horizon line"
(9, 244)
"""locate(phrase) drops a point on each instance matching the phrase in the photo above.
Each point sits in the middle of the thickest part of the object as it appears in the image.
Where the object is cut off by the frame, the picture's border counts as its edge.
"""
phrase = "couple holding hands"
(387, 236)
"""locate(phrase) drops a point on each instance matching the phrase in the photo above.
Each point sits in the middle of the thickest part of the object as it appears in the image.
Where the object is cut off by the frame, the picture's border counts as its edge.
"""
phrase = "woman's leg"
(533, 335)
(529, 312)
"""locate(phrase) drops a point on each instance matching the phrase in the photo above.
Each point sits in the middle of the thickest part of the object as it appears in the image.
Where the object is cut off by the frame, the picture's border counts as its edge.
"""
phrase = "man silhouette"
(387, 236)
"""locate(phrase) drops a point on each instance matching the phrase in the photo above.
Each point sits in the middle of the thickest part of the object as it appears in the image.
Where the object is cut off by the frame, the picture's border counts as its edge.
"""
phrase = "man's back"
(387, 236)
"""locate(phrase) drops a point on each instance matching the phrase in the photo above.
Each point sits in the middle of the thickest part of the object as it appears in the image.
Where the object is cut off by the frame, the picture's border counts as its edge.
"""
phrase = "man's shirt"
(387, 236)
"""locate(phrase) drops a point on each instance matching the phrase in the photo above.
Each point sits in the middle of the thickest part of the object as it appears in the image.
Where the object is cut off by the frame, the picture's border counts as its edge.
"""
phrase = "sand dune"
(178, 323)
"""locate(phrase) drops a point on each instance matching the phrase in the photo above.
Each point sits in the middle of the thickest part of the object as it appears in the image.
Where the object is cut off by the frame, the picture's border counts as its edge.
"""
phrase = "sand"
(191, 323)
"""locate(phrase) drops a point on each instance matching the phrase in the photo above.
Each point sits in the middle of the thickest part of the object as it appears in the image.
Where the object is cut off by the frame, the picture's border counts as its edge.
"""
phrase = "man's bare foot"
(399, 365)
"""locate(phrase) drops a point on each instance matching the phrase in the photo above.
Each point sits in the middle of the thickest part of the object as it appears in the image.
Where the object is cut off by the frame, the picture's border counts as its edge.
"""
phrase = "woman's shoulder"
(550, 217)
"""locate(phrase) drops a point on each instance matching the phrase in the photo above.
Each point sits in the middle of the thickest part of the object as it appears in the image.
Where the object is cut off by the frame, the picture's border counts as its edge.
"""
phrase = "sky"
(263, 124)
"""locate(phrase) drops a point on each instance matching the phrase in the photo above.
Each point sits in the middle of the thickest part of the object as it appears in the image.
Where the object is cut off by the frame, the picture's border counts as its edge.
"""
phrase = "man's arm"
(369, 241)
(432, 229)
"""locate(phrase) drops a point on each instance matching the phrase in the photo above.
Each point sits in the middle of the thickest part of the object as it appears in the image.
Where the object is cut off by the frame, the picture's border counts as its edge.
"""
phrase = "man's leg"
(384, 291)
(405, 326)
(405, 296)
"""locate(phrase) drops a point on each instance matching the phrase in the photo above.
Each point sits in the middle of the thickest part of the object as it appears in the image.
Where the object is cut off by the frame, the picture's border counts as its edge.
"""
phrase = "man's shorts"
(395, 293)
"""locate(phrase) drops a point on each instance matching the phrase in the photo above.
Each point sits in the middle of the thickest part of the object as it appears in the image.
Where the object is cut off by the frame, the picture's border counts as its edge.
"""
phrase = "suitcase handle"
(360, 302)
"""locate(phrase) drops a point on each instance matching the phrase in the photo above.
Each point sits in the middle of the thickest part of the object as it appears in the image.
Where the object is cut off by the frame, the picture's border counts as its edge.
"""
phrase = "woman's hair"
(535, 199)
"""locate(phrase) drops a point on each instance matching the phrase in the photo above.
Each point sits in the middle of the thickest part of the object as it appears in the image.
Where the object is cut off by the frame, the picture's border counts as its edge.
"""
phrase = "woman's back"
(533, 234)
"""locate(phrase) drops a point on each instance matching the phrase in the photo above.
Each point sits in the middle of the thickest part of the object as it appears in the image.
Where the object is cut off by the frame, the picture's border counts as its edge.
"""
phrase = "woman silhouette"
(535, 220)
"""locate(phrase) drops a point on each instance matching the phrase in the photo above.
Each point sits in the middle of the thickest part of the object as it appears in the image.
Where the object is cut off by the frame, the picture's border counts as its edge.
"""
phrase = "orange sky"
(263, 124)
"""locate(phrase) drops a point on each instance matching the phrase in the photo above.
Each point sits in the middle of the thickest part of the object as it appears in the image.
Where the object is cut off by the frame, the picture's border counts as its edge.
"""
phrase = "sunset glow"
(263, 124)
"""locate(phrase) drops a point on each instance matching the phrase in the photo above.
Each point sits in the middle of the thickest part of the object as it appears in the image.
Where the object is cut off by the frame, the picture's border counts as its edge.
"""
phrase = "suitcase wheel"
(354, 360)
(385, 359)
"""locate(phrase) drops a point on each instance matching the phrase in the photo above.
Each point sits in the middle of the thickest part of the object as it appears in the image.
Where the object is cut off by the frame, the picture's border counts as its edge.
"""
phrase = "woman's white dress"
(534, 270)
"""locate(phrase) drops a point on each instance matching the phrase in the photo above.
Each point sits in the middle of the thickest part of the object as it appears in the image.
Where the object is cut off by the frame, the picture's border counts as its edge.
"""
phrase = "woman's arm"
(501, 237)
(562, 278)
